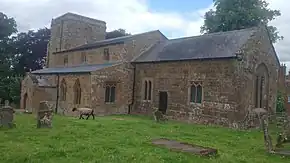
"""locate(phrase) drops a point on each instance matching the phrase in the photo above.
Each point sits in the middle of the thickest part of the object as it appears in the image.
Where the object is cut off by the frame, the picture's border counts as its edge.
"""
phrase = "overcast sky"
(175, 18)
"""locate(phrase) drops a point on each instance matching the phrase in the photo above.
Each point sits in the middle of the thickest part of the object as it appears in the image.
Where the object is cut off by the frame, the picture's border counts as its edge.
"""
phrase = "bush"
(280, 103)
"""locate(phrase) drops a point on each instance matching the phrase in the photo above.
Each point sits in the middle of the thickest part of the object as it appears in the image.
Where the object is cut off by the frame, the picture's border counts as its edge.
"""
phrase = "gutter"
(133, 90)
(57, 94)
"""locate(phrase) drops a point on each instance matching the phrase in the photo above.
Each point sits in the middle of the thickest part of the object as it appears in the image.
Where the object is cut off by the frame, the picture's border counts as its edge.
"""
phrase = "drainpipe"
(57, 94)
(133, 90)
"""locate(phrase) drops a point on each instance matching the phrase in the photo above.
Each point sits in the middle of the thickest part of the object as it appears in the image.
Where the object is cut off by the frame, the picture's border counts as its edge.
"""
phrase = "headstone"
(6, 117)
(44, 115)
(185, 147)
(6, 102)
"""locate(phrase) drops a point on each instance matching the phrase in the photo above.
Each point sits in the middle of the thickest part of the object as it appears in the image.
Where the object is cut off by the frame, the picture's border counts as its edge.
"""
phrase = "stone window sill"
(147, 101)
(197, 104)
(110, 103)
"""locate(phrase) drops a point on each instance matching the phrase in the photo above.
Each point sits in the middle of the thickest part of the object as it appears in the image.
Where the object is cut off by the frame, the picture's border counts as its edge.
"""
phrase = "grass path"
(105, 140)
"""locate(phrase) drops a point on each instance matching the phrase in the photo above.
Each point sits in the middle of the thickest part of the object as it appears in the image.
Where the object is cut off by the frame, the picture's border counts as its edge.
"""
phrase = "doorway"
(163, 97)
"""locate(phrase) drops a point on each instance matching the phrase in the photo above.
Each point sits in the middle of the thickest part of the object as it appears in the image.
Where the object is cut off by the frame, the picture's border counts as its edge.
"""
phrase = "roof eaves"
(183, 60)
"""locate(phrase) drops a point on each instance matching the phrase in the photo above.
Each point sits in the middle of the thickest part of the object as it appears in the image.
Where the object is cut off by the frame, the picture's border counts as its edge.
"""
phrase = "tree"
(239, 14)
(31, 48)
(7, 28)
(116, 33)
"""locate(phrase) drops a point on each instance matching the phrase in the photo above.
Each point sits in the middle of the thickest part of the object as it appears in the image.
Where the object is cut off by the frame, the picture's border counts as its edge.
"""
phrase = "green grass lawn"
(105, 140)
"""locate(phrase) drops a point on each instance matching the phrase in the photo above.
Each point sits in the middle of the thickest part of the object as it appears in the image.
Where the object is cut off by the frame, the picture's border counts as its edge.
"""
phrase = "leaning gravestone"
(44, 115)
(7, 116)
(280, 136)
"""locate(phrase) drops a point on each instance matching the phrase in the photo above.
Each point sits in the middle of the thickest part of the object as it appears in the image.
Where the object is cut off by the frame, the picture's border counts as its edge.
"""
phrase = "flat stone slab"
(282, 152)
(185, 147)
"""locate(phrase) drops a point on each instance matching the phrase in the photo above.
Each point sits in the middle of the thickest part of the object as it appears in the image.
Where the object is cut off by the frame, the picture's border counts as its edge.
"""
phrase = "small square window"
(83, 57)
(106, 54)
(65, 60)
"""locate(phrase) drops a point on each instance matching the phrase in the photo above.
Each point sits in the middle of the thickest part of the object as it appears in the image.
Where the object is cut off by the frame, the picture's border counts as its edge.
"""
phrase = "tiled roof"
(86, 68)
(208, 46)
(102, 43)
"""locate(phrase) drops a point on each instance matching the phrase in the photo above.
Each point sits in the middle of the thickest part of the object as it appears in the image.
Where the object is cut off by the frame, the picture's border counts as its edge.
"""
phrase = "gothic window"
(106, 54)
(261, 86)
(83, 57)
(63, 90)
(110, 93)
(65, 60)
(147, 90)
(196, 92)
(256, 91)
(77, 92)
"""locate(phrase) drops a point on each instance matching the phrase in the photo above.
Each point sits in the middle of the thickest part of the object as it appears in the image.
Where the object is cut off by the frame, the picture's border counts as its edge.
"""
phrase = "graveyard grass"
(107, 140)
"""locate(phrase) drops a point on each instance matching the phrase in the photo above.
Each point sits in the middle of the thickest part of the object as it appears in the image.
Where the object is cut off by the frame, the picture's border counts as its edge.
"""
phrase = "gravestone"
(7, 116)
(280, 134)
(185, 147)
(44, 115)
(6, 103)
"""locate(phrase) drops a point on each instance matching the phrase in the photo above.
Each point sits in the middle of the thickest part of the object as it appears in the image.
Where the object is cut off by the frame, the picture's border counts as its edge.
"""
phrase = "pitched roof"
(102, 43)
(208, 46)
(40, 82)
(86, 68)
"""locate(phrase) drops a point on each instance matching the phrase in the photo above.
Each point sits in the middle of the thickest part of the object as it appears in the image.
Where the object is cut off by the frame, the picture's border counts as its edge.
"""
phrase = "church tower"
(72, 30)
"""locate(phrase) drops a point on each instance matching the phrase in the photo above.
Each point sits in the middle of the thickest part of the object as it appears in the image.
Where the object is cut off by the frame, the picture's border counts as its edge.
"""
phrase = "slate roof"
(208, 46)
(40, 82)
(102, 43)
(86, 68)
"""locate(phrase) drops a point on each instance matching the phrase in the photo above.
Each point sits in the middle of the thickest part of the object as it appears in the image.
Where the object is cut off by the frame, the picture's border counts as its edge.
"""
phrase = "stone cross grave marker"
(7, 116)
(44, 115)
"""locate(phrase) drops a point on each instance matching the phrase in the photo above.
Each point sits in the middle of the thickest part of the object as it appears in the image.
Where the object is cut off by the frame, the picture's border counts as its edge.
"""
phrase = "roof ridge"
(215, 33)
(108, 40)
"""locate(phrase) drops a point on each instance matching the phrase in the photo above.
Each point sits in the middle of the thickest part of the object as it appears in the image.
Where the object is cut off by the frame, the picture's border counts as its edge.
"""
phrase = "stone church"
(209, 79)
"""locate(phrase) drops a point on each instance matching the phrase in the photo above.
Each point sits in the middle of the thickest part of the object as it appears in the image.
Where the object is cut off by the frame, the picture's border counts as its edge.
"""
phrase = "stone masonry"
(236, 71)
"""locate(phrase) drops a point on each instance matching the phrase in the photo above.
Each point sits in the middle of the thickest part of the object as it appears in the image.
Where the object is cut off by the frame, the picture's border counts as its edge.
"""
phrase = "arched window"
(196, 92)
(83, 57)
(77, 92)
(147, 90)
(63, 90)
(110, 94)
(261, 86)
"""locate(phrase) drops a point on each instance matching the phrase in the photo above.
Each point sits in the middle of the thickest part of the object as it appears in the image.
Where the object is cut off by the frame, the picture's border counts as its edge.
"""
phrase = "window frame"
(195, 85)
(110, 88)
(147, 89)
(83, 57)
(77, 92)
(63, 90)
(65, 60)
(106, 54)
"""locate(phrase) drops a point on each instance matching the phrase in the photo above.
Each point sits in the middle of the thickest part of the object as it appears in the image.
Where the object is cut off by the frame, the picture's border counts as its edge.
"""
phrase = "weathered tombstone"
(185, 147)
(44, 115)
(6, 117)
(159, 116)
(6, 103)
(276, 146)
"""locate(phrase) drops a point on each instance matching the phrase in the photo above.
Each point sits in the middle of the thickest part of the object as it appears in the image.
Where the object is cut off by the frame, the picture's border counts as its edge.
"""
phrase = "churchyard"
(125, 139)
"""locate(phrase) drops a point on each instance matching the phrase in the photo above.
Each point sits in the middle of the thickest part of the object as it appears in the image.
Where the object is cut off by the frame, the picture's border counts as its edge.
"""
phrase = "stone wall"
(122, 77)
(27, 92)
(258, 51)
(220, 99)
(32, 93)
(72, 30)
(118, 52)
(65, 107)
